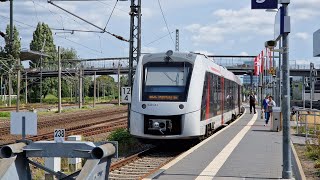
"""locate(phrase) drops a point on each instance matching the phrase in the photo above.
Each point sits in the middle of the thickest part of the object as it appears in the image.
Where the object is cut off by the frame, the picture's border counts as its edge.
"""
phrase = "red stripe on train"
(215, 70)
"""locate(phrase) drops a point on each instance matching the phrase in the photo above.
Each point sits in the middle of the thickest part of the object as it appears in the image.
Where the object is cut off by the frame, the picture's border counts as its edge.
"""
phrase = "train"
(180, 96)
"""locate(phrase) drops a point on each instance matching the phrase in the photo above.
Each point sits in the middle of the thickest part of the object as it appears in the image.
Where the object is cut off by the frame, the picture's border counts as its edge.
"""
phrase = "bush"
(121, 135)
(313, 149)
(126, 143)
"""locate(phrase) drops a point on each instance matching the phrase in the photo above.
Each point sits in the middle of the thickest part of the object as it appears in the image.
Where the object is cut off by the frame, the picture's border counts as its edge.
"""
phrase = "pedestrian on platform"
(264, 108)
(252, 102)
(271, 104)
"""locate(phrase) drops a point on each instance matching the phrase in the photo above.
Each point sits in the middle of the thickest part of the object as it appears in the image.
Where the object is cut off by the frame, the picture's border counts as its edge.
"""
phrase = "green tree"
(10, 54)
(106, 85)
(43, 41)
(68, 83)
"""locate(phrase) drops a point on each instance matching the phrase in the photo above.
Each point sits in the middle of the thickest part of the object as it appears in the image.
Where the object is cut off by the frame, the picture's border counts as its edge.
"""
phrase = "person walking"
(264, 107)
(271, 104)
(252, 102)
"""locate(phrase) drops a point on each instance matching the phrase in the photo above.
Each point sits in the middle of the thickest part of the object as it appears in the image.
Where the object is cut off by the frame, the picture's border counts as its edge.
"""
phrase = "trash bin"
(276, 119)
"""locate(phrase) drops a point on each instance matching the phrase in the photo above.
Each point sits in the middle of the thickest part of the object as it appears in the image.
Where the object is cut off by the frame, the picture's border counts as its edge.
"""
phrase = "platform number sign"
(59, 135)
(264, 4)
(126, 94)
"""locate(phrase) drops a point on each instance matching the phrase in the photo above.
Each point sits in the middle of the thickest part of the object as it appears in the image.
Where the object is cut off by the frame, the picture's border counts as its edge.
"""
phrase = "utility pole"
(135, 43)
(119, 84)
(94, 88)
(303, 92)
(80, 87)
(10, 87)
(311, 84)
(42, 49)
(26, 91)
(177, 40)
(11, 48)
(59, 80)
(287, 169)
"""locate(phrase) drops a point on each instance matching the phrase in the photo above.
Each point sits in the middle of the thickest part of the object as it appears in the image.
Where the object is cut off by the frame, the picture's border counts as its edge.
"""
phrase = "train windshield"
(163, 82)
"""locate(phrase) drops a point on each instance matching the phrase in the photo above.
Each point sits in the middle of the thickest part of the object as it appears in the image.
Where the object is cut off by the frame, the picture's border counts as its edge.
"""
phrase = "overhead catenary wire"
(110, 15)
(114, 35)
(165, 21)
(159, 38)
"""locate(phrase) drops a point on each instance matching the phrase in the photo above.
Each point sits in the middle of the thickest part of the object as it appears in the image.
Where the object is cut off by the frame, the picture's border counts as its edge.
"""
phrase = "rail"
(307, 122)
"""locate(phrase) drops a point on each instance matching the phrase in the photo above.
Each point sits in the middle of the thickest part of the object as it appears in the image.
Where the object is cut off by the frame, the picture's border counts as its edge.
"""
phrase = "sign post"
(282, 30)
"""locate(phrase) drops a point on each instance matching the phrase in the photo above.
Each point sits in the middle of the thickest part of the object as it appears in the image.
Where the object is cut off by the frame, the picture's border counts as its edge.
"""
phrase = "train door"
(222, 100)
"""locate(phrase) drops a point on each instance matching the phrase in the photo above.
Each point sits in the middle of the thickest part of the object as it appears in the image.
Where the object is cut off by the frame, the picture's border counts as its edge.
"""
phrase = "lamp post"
(287, 169)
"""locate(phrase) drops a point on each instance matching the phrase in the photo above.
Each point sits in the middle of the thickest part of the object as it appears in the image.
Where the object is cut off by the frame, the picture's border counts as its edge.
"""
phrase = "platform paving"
(257, 156)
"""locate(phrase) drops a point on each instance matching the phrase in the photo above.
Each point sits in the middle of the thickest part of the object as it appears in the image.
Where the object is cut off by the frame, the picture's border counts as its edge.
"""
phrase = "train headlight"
(162, 125)
(181, 106)
(144, 106)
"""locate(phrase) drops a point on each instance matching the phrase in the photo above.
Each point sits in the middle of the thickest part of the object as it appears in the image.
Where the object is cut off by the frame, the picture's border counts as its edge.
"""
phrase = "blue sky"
(220, 27)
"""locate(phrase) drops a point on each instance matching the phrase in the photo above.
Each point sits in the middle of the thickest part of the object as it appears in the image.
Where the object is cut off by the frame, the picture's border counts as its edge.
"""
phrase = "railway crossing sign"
(126, 94)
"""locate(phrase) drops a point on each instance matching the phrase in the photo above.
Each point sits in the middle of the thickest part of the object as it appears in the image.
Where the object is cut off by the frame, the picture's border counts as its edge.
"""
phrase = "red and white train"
(181, 96)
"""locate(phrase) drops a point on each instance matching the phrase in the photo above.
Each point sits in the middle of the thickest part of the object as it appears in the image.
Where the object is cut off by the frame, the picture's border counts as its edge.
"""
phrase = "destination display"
(163, 97)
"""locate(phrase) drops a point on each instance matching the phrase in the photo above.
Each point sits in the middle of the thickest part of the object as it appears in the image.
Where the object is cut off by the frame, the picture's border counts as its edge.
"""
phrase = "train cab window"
(166, 82)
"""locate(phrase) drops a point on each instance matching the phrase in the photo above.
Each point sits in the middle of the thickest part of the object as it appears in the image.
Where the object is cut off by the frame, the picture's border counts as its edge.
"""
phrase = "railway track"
(141, 165)
(68, 119)
(35, 106)
(86, 124)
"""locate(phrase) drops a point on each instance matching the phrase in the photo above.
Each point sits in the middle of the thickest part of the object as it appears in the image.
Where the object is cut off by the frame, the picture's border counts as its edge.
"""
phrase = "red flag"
(262, 62)
(256, 67)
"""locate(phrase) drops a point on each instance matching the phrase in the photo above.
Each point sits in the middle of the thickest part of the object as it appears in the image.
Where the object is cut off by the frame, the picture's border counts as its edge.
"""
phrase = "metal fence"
(307, 122)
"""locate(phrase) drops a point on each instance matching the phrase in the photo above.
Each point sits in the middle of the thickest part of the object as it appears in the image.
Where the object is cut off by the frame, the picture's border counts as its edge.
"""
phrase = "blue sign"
(264, 4)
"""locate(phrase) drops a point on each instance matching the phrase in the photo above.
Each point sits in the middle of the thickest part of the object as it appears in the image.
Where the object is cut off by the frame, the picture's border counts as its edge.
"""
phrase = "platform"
(246, 149)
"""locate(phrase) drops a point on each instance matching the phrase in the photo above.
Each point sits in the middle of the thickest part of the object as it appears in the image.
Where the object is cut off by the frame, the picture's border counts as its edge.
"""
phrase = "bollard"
(53, 164)
(74, 163)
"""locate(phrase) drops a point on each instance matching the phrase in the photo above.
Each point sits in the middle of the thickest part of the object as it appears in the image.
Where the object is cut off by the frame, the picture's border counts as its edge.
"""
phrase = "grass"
(4, 114)
(313, 153)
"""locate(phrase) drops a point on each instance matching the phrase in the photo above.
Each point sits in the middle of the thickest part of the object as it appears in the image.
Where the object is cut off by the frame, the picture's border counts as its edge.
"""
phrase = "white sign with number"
(126, 94)
(59, 135)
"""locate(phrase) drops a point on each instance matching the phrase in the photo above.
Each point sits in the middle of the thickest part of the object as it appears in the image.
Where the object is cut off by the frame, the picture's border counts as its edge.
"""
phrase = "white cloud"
(243, 54)
(302, 35)
(242, 22)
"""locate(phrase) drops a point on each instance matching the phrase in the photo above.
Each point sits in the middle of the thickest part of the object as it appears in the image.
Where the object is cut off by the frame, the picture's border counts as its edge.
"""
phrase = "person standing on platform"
(271, 104)
(264, 107)
(252, 102)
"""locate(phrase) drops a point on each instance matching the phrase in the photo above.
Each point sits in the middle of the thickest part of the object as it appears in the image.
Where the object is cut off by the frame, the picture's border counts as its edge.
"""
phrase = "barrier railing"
(307, 122)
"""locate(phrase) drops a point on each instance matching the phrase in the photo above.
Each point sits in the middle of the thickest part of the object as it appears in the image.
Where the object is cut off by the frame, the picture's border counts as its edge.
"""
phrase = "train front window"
(166, 83)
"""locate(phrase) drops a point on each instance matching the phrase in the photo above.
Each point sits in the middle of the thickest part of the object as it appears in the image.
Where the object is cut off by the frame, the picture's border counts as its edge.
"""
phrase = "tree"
(10, 53)
(43, 41)
(107, 86)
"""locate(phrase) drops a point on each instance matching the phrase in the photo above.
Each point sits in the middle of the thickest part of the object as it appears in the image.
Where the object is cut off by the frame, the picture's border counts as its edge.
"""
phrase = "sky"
(213, 27)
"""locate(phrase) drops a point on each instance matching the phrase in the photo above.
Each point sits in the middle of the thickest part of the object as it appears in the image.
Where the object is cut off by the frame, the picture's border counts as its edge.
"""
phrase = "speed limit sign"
(126, 94)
